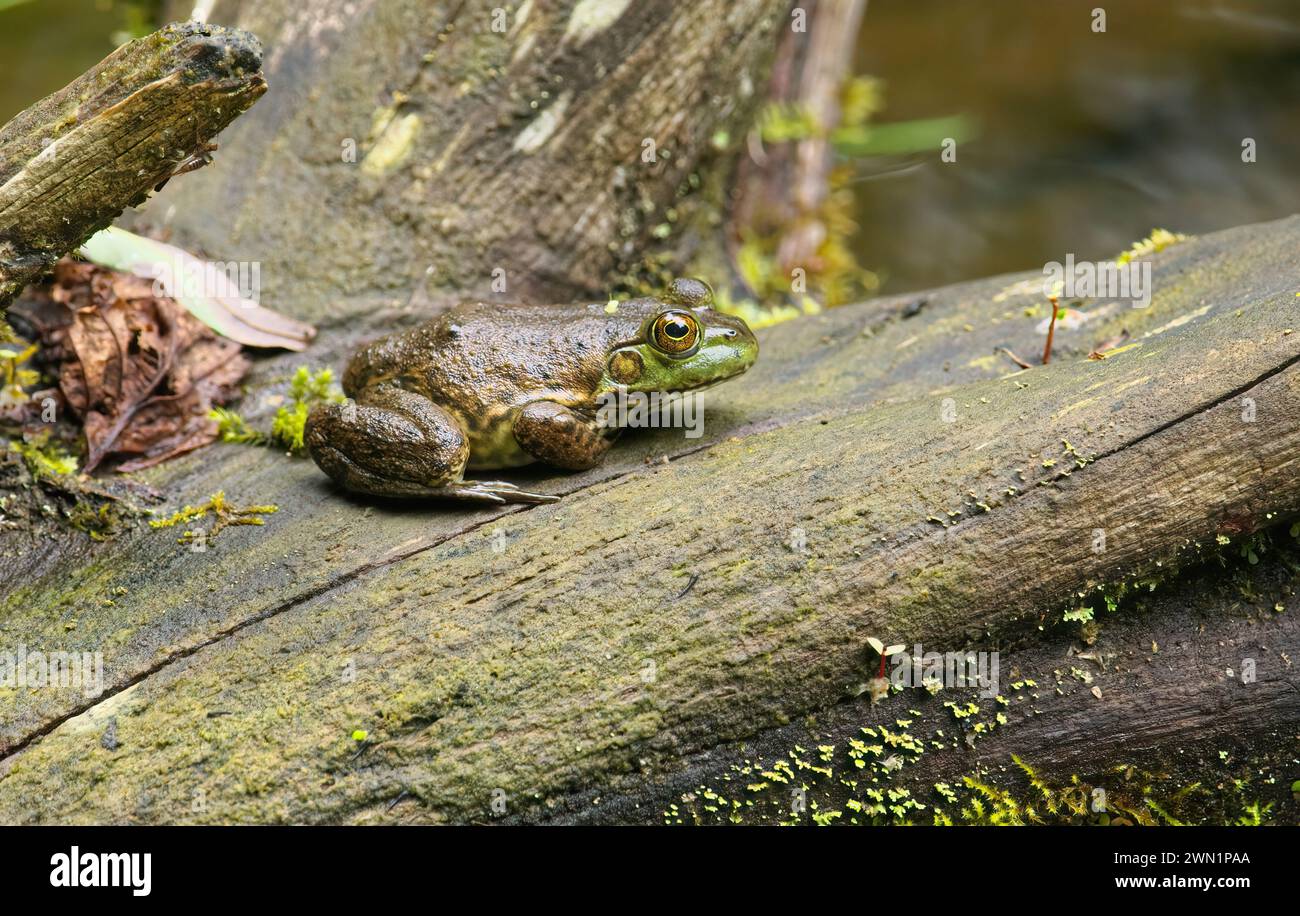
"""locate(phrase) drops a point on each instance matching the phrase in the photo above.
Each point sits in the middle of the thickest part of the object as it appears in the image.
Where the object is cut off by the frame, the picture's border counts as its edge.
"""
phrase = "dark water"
(1085, 141)
(45, 44)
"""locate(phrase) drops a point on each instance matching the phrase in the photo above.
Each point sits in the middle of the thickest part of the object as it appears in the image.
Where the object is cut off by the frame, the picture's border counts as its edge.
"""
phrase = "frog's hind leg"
(393, 442)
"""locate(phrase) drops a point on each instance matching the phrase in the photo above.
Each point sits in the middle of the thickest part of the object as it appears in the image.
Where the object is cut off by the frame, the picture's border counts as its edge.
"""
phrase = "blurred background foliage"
(1085, 141)
(45, 44)
(1067, 140)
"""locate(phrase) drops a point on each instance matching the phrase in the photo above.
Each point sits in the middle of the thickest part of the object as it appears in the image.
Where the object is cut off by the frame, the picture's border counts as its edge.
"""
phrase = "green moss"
(231, 427)
(1158, 240)
(785, 122)
(307, 389)
(836, 279)
(289, 426)
(225, 514)
(98, 522)
(1253, 815)
(44, 457)
(14, 378)
(793, 791)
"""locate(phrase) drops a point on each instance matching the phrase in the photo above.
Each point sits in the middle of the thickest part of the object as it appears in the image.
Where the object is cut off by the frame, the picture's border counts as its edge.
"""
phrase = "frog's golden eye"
(675, 333)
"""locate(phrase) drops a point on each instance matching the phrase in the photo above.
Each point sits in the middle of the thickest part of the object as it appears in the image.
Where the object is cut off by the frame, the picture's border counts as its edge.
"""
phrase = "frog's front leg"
(560, 436)
(393, 442)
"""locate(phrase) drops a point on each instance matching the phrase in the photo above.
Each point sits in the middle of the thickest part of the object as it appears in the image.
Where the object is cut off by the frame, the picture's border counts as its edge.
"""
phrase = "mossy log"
(591, 658)
(1183, 707)
(71, 163)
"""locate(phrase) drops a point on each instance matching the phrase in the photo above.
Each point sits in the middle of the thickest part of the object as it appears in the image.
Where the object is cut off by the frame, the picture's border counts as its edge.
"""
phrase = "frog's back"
(492, 351)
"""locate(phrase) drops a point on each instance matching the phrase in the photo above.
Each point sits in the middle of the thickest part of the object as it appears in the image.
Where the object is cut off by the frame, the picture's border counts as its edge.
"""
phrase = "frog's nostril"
(731, 332)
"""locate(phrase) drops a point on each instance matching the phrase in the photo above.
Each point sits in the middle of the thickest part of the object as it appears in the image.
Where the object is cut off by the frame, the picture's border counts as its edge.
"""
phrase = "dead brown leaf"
(139, 371)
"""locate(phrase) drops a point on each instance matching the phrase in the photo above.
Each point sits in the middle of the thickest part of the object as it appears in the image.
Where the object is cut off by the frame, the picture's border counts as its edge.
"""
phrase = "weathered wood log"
(433, 150)
(541, 656)
(1204, 663)
(71, 163)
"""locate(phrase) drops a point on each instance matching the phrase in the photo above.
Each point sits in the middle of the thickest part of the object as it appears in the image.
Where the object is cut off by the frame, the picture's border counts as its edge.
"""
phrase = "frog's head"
(682, 343)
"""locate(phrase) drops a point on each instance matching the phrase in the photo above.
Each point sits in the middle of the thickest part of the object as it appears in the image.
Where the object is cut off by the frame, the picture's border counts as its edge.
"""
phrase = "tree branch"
(72, 162)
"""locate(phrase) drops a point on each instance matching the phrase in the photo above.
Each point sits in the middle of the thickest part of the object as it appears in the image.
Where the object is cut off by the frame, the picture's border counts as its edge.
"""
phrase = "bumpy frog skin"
(486, 385)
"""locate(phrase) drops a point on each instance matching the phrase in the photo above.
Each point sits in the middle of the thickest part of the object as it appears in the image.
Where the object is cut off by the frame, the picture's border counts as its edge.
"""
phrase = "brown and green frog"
(488, 386)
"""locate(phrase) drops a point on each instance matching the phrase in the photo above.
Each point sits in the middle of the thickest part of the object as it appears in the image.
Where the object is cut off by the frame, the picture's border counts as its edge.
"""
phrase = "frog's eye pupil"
(676, 329)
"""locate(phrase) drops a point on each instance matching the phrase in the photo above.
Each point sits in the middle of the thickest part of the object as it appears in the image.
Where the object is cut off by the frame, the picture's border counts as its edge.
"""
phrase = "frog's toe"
(502, 491)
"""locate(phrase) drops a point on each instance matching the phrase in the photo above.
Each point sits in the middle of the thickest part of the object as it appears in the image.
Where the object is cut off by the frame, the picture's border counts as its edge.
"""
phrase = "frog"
(486, 386)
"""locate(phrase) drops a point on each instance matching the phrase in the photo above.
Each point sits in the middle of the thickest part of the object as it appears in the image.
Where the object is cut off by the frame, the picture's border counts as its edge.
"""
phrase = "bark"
(71, 163)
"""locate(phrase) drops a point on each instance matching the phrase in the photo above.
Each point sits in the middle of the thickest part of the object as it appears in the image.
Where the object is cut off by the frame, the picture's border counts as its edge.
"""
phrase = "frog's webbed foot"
(492, 491)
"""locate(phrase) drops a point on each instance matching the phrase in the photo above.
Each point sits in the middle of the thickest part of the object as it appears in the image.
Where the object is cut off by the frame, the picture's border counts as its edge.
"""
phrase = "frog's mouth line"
(685, 391)
(713, 384)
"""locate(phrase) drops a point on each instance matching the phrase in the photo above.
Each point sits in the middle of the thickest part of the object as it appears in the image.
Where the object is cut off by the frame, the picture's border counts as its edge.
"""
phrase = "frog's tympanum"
(486, 385)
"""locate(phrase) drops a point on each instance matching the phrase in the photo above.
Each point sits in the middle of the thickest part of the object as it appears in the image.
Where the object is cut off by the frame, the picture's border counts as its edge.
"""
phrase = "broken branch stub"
(71, 163)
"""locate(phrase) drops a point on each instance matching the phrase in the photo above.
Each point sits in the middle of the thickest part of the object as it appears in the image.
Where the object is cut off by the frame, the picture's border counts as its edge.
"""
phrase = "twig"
(1015, 359)
(1099, 352)
(1051, 330)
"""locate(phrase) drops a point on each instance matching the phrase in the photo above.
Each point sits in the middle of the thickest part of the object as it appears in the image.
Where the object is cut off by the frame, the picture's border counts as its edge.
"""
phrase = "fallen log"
(1181, 707)
(883, 471)
(71, 163)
